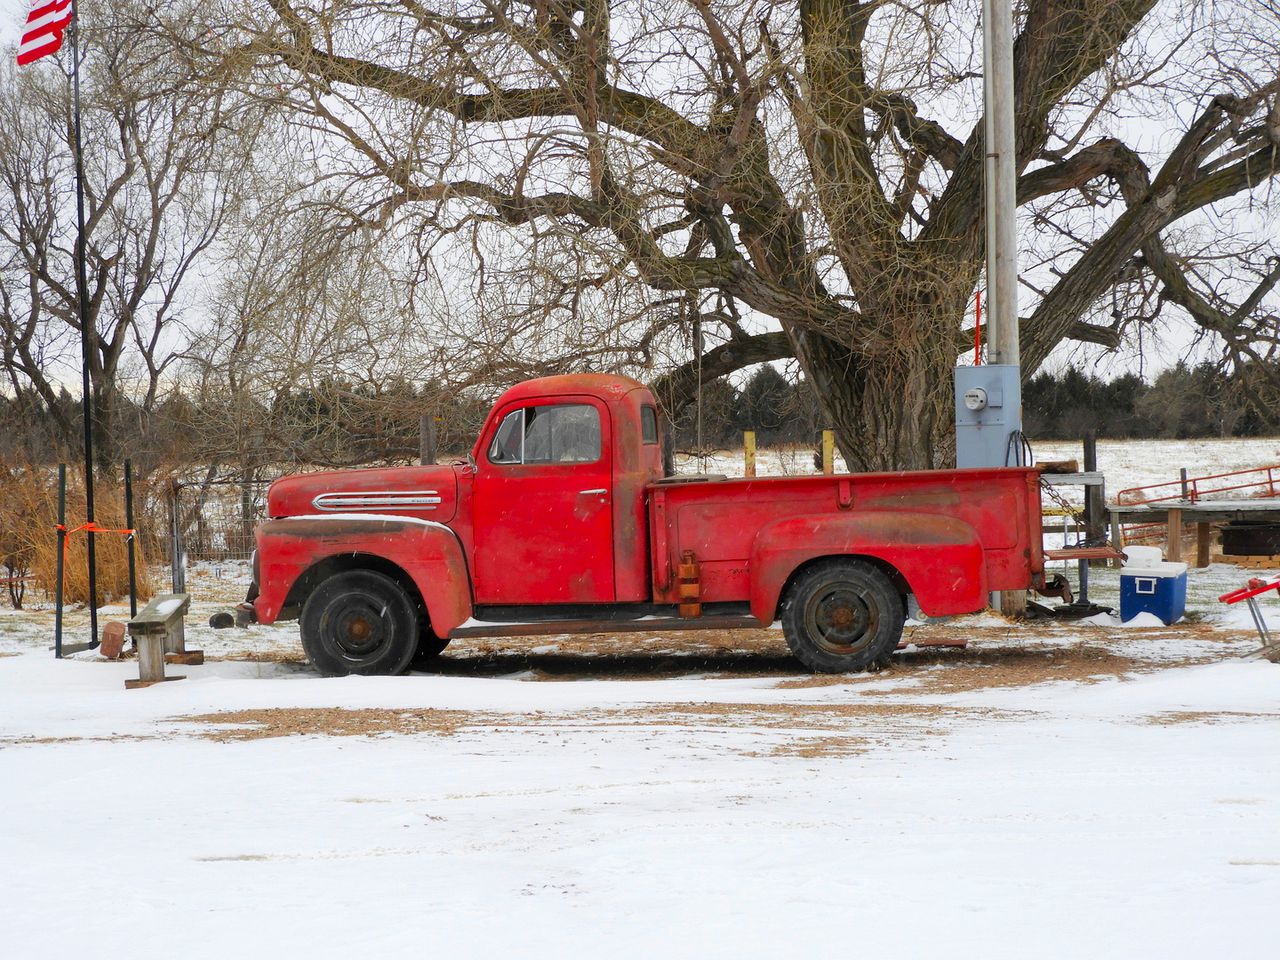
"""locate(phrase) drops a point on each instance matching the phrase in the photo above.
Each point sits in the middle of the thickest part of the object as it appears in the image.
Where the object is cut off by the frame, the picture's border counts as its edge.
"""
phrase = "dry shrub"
(28, 534)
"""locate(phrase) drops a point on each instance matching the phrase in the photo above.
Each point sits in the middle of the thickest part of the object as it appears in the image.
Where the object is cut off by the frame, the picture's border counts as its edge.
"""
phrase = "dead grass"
(28, 524)
(292, 657)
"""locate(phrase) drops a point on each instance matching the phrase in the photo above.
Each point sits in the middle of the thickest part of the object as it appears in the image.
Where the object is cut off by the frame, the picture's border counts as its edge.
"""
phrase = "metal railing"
(1196, 488)
(1262, 483)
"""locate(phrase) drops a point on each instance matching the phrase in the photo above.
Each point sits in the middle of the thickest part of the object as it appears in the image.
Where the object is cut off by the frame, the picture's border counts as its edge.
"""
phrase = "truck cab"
(558, 492)
(561, 520)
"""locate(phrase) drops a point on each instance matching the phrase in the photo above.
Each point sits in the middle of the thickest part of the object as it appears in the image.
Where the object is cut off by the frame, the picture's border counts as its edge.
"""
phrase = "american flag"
(43, 32)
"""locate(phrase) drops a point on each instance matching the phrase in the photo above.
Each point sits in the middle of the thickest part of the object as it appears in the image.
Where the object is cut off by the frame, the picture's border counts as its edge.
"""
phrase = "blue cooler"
(1158, 587)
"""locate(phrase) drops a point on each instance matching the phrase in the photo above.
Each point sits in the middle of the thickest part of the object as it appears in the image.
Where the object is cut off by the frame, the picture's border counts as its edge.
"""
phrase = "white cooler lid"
(1164, 568)
(1140, 556)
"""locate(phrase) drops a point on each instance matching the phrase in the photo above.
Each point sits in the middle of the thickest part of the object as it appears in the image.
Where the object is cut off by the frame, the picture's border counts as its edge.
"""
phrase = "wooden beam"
(1204, 539)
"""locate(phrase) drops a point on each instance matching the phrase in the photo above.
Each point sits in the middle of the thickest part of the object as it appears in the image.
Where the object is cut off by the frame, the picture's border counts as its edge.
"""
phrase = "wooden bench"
(159, 633)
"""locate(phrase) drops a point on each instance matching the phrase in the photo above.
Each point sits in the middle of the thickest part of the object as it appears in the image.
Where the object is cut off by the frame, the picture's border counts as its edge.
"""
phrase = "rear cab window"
(648, 424)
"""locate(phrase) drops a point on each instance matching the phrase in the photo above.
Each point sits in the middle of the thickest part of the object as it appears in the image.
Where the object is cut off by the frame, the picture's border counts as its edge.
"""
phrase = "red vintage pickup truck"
(562, 521)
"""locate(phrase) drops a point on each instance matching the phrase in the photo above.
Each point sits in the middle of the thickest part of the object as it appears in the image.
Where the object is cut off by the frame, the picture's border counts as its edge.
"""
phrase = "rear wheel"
(359, 622)
(842, 616)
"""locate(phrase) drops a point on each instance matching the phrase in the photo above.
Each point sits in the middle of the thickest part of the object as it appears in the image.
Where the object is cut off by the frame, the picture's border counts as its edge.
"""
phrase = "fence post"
(427, 439)
(177, 572)
(749, 453)
(131, 538)
(1093, 496)
(828, 452)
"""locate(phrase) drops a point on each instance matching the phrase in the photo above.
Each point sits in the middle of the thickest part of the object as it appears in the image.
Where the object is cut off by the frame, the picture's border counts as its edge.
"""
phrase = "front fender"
(941, 558)
(428, 553)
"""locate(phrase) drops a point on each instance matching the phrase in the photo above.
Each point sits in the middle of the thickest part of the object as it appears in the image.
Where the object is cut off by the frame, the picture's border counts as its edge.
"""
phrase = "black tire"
(429, 647)
(359, 622)
(842, 616)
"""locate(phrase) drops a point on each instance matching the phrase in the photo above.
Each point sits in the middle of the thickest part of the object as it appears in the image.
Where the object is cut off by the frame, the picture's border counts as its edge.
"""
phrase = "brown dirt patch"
(812, 748)
(272, 722)
(1173, 717)
(944, 670)
(801, 730)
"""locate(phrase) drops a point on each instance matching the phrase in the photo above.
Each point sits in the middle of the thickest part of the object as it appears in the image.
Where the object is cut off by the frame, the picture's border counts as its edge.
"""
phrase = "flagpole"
(82, 295)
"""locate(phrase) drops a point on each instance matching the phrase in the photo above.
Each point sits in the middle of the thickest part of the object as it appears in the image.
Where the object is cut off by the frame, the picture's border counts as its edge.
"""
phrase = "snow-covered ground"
(1048, 791)
(1061, 790)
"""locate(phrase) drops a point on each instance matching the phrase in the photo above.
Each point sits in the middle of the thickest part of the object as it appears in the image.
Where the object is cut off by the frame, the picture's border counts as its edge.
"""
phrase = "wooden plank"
(1173, 538)
(1252, 562)
(1084, 553)
(139, 684)
(188, 658)
(749, 453)
(1089, 478)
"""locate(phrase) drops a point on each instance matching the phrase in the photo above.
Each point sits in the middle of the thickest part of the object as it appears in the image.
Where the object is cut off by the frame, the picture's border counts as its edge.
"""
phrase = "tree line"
(1184, 401)
(337, 423)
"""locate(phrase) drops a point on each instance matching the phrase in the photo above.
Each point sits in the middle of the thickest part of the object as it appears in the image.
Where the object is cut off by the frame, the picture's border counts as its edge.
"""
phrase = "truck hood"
(430, 493)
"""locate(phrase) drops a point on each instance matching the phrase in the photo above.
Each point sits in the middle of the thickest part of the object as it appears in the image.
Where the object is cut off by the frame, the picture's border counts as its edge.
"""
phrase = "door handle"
(600, 492)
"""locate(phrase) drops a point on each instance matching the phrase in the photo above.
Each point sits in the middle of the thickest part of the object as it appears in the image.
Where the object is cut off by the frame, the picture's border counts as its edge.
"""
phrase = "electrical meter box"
(988, 410)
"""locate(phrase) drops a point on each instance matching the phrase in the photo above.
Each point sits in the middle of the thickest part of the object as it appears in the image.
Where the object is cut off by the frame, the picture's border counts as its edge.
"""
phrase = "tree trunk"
(891, 404)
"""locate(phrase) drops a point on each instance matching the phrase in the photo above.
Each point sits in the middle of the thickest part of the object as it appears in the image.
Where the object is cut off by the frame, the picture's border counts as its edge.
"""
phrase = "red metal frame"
(1253, 588)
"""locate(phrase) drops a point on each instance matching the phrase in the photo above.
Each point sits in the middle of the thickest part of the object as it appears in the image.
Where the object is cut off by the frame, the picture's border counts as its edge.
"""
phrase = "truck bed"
(907, 514)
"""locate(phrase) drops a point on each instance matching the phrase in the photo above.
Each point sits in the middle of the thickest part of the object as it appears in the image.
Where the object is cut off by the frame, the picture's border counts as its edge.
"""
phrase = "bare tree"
(633, 168)
(161, 162)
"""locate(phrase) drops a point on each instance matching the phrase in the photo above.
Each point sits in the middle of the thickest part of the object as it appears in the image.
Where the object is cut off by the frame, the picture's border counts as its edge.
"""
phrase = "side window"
(648, 424)
(506, 442)
(562, 433)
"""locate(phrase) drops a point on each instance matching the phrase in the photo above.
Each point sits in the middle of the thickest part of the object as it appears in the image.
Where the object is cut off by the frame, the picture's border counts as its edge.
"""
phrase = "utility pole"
(1002, 227)
(1001, 186)
(989, 397)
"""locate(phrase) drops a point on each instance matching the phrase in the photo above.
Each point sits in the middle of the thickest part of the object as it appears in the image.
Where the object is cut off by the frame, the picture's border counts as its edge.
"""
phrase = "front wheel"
(359, 622)
(427, 656)
(842, 616)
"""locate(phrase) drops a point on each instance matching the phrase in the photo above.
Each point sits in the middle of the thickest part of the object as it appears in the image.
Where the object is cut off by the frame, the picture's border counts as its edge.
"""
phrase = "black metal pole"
(86, 345)
(62, 544)
(132, 536)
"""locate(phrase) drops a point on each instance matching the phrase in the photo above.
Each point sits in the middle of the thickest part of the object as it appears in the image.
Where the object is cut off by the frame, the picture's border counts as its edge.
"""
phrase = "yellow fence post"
(828, 452)
(749, 453)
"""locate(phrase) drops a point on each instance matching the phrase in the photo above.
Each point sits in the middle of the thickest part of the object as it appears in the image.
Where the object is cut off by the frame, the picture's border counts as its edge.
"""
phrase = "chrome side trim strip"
(348, 499)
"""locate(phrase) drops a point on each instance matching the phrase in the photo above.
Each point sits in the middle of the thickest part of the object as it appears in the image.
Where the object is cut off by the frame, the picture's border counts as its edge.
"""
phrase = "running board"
(507, 628)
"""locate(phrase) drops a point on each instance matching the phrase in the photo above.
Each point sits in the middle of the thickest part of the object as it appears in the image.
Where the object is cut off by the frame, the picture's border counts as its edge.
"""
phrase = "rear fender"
(940, 558)
(428, 553)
